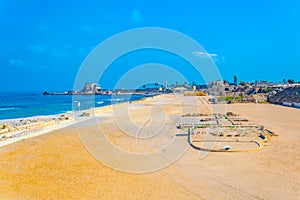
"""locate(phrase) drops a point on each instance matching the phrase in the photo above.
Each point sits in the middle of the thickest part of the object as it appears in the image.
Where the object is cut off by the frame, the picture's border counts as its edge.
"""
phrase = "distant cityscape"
(285, 92)
(95, 89)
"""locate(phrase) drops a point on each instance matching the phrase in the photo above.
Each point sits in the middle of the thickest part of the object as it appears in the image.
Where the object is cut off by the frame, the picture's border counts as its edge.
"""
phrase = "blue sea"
(20, 105)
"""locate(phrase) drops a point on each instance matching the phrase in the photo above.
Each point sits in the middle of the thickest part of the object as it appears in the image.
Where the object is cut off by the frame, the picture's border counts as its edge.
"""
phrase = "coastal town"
(284, 93)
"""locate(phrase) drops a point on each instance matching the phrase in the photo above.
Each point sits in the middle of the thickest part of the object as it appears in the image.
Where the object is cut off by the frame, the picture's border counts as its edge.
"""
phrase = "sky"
(43, 43)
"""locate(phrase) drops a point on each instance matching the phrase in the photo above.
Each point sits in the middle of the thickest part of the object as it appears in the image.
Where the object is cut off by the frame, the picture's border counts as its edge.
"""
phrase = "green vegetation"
(291, 81)
(243, 83)
(204, 126)
(232, 127)
(284, 81)
(3, 126)
(229, 98)
(267, 89)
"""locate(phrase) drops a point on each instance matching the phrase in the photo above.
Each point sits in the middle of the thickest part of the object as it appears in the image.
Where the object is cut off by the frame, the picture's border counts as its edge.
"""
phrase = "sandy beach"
(57, 165)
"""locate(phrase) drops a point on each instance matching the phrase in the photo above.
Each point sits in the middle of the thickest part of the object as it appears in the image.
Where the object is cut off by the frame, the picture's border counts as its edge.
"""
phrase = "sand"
(58, 166)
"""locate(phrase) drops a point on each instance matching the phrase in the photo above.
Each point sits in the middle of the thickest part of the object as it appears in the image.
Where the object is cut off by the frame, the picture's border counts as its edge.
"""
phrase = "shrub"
(229, 98)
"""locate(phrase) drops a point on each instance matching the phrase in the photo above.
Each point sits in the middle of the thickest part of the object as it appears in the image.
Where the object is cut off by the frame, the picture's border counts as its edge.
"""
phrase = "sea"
(28, 104)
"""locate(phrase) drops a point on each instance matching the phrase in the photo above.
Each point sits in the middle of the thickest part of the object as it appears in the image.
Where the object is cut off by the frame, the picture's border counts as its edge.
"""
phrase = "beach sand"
(58, 166)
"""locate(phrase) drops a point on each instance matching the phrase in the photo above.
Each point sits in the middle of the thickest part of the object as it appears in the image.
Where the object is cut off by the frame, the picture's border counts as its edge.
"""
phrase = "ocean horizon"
(28, 104)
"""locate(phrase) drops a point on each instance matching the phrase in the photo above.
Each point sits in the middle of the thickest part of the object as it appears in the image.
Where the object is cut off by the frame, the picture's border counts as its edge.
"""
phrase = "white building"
(91, 87)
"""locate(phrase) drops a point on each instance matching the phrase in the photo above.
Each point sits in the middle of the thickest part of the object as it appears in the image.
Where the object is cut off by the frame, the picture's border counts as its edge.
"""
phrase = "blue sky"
(43, 43)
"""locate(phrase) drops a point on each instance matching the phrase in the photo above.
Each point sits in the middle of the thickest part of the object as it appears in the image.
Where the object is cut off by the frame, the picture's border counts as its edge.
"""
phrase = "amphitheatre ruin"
(224, 132)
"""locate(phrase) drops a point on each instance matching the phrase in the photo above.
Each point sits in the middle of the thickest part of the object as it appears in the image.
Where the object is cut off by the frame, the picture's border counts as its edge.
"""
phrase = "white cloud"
(136, 16)
(36, 48)
(68, 51)
(213, 56)
(16, 63)
(206, 54)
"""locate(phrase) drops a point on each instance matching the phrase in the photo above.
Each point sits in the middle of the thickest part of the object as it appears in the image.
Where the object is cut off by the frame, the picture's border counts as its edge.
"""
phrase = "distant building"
(91, 87)
(216, 88)
(215, 84)
(194, 88)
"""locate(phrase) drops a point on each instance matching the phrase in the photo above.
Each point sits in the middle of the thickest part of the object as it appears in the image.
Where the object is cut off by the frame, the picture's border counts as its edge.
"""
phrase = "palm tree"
(235, 79)
(284, 81)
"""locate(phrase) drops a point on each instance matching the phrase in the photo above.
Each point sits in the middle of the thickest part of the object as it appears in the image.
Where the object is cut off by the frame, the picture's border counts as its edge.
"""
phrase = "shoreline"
(76, 117)
(25, 105)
